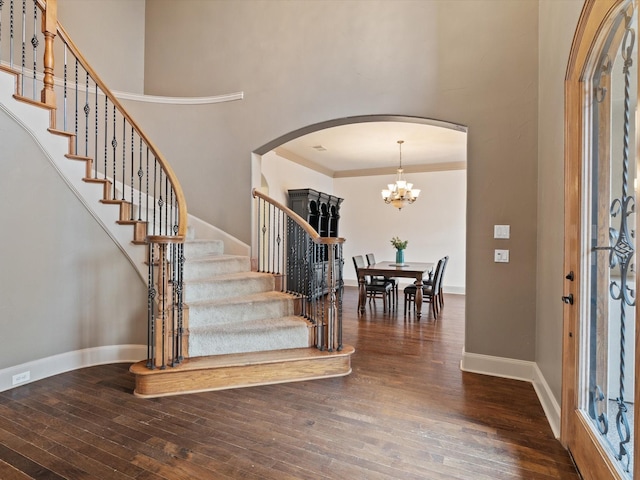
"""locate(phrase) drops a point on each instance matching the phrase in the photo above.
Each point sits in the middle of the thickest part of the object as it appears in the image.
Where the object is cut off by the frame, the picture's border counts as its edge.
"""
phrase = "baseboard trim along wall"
(46, 367)
(455, 290)
(517, 370)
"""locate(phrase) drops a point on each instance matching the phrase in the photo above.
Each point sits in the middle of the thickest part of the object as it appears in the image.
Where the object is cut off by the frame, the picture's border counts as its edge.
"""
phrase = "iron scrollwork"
(621, 253)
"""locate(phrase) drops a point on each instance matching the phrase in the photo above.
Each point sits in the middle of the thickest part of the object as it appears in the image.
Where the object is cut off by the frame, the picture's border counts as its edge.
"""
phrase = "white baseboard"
(64, 362)
(517, 370)
(549, 403)
(403, 282)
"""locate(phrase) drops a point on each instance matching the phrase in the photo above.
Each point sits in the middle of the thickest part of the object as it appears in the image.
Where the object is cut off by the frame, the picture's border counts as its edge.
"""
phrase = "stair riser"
(220, 342)
(225, 288)
(216, 314)
(216, 266)
(202, 249)
(158, 383)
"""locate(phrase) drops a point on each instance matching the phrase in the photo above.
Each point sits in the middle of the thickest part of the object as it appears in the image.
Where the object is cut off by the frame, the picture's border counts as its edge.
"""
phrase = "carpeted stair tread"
(214, 264)
(242, 308)
(251, 336)
(228, 286)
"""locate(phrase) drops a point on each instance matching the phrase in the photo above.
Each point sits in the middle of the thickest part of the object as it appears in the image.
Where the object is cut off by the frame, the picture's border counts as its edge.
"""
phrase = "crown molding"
(425, 168)
(292, 157)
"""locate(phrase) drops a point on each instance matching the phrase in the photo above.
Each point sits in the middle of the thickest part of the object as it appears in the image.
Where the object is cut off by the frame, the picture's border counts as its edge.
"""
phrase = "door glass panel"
(607, 359)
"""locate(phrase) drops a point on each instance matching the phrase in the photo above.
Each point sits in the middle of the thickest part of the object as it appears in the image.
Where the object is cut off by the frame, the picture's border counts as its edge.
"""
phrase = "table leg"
(418, 297)
(362, 294)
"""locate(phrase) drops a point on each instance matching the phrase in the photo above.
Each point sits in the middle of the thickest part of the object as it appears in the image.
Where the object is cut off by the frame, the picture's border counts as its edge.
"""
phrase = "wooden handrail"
(182, 203)
(315, 236)
(51, 28)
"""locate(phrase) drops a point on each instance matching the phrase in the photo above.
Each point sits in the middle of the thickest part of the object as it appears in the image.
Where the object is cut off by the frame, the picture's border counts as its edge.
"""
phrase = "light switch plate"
(501, 256)
(501, 231)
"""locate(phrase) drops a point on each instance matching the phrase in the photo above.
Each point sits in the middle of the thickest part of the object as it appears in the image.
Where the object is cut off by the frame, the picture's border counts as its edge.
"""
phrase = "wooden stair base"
(222, 372)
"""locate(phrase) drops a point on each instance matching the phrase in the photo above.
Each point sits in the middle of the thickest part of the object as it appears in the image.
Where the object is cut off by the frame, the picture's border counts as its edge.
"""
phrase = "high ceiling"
(374, 145)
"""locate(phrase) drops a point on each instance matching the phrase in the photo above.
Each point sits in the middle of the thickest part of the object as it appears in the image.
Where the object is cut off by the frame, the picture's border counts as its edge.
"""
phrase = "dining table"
(417, 270)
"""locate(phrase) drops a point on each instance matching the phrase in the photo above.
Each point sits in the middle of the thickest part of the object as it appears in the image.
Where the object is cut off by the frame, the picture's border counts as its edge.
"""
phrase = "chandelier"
(400, 193)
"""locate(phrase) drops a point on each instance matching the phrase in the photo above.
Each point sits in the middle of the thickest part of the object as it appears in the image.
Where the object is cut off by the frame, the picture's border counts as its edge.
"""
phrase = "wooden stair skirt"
(221, 372)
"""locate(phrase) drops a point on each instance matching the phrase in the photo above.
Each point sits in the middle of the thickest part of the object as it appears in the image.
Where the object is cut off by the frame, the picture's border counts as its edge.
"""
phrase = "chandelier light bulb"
(401, 192)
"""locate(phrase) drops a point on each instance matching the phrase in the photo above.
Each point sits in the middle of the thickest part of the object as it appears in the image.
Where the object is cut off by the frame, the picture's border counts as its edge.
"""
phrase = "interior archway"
(433, 158)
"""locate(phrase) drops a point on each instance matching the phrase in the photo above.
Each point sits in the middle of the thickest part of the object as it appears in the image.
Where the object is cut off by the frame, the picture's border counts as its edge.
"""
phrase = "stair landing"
(221, 372)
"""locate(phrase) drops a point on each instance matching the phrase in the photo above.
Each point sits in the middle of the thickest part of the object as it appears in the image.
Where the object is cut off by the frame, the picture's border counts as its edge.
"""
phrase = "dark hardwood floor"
(406, 412)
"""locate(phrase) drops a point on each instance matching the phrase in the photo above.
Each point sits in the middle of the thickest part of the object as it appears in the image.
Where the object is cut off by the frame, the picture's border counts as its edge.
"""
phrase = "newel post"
(49, 29)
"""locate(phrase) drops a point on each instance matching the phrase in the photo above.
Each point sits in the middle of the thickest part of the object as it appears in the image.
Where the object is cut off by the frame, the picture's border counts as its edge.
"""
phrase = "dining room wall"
(434, 225)
(281, 175)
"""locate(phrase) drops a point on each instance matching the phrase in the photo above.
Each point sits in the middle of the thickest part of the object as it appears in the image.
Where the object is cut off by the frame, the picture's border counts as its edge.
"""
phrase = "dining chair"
(373, 289)
(371, 260)
(429, 291)
(440, 287)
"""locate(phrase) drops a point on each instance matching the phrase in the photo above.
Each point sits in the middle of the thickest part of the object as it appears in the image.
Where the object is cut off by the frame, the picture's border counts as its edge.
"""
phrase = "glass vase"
(399, 257)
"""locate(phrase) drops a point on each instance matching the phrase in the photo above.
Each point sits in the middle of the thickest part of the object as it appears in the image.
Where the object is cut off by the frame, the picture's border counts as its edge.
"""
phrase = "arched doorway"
(434, 159)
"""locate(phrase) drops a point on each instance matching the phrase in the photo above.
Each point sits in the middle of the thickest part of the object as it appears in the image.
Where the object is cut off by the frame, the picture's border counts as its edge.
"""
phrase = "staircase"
(241, 331)
(214, 323)
(234, 310)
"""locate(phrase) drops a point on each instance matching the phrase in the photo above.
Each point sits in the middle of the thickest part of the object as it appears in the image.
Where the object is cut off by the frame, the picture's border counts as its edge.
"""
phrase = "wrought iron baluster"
(106, 130)
(11, 33)
(65, 111)
(131, 213)
(34, 44)
(279, 242)
(75, 130)
(270, 237)
(340, 293)
(146, 191)
(1, 5)
(140, 175)
(23, 61)
(114, 145)
(95, 136)
(87, 110)
(170, 223)
(164, 203)
(124, 155)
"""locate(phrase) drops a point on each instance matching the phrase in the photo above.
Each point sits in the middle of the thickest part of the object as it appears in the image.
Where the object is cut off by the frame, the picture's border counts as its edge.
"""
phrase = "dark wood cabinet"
(320, 209)
(322, 212)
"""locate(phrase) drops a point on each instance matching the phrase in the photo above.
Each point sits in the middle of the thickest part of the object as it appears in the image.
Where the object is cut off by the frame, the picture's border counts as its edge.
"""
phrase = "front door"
(600, 338)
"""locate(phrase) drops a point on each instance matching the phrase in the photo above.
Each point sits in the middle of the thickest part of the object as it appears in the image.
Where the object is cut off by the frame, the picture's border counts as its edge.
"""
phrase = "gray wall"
(108, 33)
(62, 274)
(558, 21)
(472, 62)
(495, 65)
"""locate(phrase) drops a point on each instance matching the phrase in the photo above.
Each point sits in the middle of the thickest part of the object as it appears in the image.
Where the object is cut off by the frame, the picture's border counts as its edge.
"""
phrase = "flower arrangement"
(399, 244)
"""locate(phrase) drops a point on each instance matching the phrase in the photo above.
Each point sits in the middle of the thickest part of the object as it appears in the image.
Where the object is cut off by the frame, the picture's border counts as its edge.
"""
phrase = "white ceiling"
(374, 145)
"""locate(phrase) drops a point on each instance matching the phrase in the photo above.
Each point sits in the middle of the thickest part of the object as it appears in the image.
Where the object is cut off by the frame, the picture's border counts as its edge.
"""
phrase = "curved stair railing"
(306, 264)
(51, 72)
